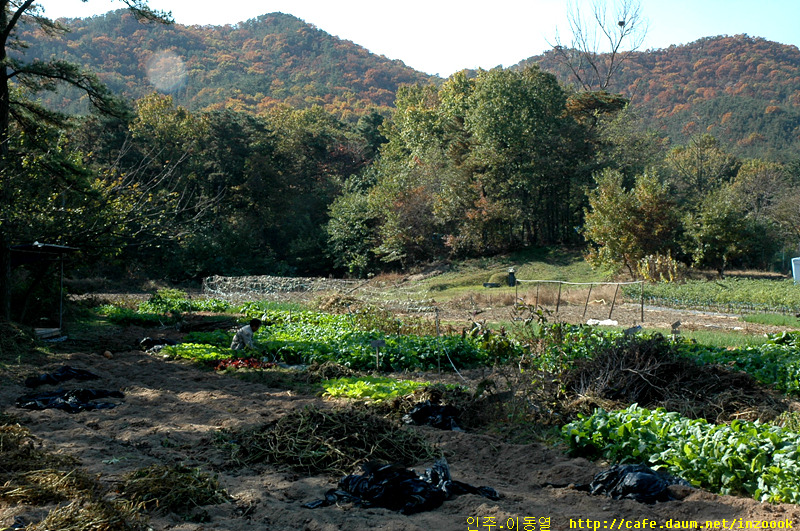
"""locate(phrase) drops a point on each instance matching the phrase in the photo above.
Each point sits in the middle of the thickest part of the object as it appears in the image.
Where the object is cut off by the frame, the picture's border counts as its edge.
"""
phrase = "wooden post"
(613, 302)
(641, 298)
(439, 350)
(558, 301)
(378, 343)
(588, 296)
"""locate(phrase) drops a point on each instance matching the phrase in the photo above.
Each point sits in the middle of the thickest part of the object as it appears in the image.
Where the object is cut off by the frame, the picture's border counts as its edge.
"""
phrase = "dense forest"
(274, 148)
(743, 90)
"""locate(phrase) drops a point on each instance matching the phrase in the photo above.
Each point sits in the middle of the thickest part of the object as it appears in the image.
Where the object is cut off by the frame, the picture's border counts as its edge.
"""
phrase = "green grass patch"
(197, 352)
(217, 338)
(164, 307)
(541, 263)
(773, 319)
(258, 308)
(716, 338)
(126, 316)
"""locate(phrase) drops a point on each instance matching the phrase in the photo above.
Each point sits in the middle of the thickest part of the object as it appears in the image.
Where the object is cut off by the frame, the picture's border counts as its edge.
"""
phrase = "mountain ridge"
(253, 65)
(744, 90)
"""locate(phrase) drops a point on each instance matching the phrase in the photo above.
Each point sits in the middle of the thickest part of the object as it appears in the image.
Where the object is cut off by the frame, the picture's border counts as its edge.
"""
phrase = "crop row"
(751, 458)
(305, 337)
(729, 294)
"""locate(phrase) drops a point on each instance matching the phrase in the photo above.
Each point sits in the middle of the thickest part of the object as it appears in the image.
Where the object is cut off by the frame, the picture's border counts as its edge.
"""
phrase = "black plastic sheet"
(438, 416)
(72, 401)
(634, 482)
(399, 489)
(61, 375)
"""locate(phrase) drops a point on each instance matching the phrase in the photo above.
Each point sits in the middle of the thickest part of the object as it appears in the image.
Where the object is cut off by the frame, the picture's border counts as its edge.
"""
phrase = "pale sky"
(443, 37)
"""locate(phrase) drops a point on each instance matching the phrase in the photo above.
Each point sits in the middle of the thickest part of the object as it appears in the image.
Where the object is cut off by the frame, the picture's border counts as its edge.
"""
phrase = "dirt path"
(172, 412)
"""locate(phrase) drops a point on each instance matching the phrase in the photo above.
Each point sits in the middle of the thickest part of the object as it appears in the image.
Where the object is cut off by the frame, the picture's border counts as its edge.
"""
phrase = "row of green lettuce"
(742, 458)
(306, 337)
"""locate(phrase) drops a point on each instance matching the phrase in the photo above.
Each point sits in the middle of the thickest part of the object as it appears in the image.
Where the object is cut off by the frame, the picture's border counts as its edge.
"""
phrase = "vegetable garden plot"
(742, 457)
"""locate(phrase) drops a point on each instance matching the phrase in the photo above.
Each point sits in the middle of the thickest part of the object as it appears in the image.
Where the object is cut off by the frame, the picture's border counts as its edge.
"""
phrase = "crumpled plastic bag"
(61, 375)
(72, 401)
(635, 482)
(438, 416)
(148, 343)
(399, 489)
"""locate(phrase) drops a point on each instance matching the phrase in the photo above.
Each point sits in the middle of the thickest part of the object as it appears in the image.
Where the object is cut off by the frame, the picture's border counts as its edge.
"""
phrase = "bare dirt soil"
(173, 411)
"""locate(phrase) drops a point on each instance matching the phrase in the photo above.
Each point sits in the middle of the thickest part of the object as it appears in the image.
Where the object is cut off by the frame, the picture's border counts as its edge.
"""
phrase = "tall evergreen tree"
(19, 79)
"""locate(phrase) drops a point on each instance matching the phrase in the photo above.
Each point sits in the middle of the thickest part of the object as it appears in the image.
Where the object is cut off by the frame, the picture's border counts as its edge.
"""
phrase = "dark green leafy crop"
(742, 457)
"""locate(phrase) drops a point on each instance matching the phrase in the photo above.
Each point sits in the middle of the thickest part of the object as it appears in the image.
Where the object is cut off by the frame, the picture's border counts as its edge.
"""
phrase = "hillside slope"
(252, 65)
(741, 89)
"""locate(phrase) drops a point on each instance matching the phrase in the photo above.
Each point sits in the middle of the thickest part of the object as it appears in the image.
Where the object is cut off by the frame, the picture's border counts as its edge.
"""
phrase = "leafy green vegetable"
(219, 338)
(197, 352)
(374, 388)
(751, 458)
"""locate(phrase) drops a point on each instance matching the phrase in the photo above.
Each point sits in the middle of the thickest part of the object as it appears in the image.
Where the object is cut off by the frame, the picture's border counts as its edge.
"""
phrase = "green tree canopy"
(28, 173)
(623, 226)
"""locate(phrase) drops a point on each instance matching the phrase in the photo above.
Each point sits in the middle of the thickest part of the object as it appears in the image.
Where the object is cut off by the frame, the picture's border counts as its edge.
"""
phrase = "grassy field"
(567, 265)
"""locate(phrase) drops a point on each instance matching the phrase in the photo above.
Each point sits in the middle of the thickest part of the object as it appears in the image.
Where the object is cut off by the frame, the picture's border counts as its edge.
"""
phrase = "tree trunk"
(5, 252)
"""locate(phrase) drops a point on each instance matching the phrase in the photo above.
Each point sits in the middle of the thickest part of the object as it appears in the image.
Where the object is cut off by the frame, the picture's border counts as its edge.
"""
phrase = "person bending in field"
(244, 336)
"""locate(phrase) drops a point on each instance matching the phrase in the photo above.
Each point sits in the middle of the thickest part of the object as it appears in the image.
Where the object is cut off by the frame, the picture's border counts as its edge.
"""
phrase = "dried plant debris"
(93, 515)
(318, 372)
(649, 372)
(474, 409)
(20, 451)
(15, 342)
(314, 441)
(172, 488)
(30, 475)
(40, 487)
(7, 419)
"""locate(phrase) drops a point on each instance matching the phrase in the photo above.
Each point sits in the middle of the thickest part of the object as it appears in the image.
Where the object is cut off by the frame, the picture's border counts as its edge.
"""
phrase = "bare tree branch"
(602, 42)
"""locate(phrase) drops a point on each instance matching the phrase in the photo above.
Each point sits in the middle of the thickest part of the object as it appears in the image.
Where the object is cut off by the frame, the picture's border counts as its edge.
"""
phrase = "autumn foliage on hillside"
(743, 90)
(255, 65)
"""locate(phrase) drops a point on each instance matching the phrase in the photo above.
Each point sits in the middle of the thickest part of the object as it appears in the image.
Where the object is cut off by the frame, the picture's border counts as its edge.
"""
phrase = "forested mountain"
(743, 90)
(271, 147)
(253, 65)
